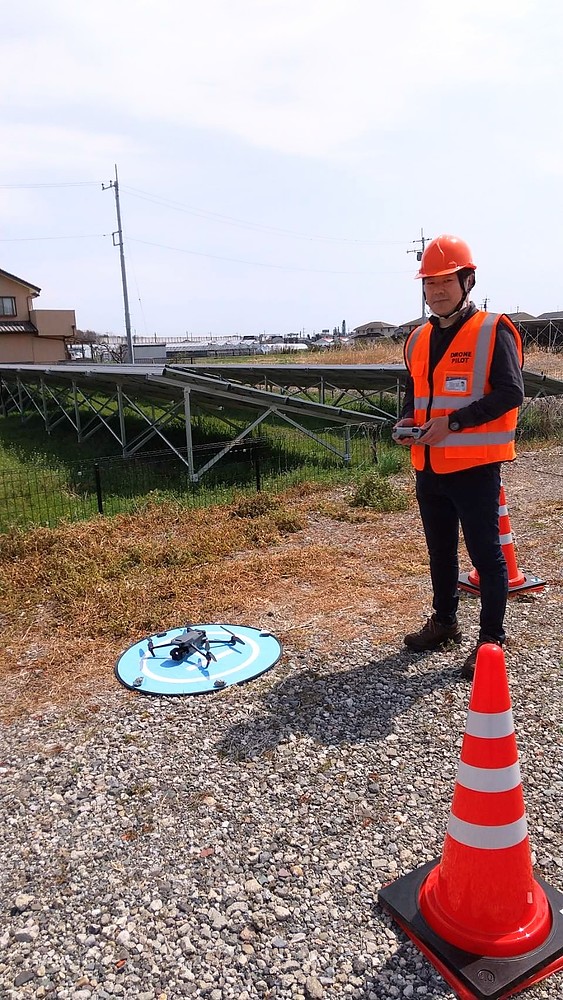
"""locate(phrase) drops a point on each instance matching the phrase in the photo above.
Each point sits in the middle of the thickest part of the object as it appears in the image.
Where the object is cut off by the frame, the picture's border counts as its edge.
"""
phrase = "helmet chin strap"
(466, 284)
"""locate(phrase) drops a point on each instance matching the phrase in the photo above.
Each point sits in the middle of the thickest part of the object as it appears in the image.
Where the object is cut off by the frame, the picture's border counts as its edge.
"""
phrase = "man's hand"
(435, 430)
(404, 442)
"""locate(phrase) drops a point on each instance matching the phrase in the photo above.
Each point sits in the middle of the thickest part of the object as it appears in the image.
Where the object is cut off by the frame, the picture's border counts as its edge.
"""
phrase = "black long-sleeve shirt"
(505, 377)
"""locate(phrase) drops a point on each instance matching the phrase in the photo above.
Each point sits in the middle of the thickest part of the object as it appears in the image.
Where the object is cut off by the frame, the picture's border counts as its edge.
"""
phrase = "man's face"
(442, 293)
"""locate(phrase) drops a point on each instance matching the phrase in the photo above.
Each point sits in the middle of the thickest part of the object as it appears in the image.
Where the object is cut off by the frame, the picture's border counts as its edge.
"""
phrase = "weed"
(287, 522)
(379, 494)
(391, 459)
(542, 420)
(255, 506)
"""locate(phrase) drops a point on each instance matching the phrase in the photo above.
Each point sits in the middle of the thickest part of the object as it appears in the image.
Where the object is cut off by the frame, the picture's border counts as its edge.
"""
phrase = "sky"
(279, 161)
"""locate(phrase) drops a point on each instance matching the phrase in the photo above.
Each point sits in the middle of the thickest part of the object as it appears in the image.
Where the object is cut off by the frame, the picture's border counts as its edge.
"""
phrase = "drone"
(193, 640)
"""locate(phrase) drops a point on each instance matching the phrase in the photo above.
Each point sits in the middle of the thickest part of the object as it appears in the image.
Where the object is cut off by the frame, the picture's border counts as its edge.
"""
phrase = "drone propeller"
(208, 654)
(235, 638)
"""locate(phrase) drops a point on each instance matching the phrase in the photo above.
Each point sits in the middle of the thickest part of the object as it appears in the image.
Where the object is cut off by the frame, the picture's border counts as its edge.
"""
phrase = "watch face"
(454, 425)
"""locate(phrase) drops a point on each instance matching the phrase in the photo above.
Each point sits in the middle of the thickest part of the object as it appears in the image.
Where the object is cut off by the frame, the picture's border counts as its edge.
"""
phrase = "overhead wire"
(33, 239)
(48, 184)
(246, 224)
(253, 263)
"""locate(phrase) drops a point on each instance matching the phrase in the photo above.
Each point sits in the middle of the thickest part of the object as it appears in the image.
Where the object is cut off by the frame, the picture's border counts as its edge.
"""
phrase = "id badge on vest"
(456, 384)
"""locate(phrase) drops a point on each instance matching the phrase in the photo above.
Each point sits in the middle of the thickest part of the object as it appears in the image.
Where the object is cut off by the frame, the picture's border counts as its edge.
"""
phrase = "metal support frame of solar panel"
(351, 382)
(66, 386)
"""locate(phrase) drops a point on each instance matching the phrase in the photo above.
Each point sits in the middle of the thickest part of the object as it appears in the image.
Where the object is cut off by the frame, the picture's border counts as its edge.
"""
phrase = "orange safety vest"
(460, 378)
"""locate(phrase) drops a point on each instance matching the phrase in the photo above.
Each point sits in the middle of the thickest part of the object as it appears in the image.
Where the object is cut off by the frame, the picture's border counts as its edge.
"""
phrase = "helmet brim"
(447, 270)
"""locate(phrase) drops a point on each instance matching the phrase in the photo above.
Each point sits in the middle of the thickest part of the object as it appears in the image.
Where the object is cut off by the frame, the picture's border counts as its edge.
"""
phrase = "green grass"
(48, 479)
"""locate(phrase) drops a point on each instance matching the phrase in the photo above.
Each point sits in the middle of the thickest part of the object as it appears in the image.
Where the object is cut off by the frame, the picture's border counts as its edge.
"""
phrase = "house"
(369, 332)
(28, 335)
(405, 328)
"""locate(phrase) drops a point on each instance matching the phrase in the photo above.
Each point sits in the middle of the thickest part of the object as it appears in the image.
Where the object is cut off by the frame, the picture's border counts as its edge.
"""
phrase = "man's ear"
(468, 281)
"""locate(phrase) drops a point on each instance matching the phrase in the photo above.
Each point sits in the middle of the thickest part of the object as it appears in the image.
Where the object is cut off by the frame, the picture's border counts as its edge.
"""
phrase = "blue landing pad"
(252, 654)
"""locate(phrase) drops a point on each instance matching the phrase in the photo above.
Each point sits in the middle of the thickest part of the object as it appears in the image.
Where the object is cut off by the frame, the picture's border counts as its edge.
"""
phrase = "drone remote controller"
(407, 432)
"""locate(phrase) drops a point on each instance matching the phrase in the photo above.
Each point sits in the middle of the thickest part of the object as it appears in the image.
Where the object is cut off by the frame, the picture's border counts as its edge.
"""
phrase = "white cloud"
(303, 77)
(85, 153)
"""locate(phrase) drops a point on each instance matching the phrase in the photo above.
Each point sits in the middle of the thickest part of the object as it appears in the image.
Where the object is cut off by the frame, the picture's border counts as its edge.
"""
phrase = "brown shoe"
(432, 635)
(468, 668)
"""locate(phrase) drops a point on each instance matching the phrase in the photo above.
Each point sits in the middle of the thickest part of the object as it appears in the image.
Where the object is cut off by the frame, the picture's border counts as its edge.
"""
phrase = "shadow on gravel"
(406, 965)
(335, 708)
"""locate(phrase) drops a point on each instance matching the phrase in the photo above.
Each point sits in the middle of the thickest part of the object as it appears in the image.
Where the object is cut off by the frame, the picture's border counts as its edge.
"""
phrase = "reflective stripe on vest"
(411, 342)
(488, 779)
(488, 838)
(490, 725)
(459, 441)
(480, 367)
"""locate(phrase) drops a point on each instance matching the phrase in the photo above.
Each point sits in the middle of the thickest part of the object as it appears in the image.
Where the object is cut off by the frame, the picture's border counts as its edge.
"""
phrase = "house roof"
(520, 317)
(20, 281)
(551, 315)
(376, 325)
(413, 322)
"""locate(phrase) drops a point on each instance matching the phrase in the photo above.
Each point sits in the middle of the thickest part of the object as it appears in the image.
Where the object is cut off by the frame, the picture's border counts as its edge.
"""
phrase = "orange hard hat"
(445, 255)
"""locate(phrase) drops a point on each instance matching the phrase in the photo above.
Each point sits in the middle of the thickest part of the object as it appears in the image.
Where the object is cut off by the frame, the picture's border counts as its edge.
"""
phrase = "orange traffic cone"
(479, 915)
(518, 581)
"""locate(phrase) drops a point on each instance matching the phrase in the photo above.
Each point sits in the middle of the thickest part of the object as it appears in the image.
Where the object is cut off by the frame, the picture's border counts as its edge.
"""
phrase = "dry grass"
(73, 598)
(391, 353)
(544, 362)
(386, 353)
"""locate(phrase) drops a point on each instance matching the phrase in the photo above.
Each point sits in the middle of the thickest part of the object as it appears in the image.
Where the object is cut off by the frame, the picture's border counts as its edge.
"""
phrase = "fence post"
(98, 481)
(254, 453)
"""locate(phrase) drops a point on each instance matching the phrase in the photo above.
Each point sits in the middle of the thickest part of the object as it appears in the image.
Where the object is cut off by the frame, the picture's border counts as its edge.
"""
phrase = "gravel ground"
(233, 845)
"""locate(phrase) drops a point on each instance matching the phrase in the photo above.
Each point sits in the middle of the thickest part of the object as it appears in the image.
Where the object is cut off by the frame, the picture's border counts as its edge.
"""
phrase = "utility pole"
(423, 241)
(119, 243)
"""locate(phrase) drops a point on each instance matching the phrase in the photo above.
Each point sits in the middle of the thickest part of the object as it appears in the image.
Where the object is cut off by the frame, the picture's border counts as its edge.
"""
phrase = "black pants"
(469, 498)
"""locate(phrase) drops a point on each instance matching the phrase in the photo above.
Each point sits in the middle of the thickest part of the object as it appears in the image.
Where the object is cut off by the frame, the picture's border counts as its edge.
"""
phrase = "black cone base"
(531, 585)
(474, 977)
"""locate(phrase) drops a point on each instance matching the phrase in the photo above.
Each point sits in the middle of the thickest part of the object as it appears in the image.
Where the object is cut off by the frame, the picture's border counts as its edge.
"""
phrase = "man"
(463, 389)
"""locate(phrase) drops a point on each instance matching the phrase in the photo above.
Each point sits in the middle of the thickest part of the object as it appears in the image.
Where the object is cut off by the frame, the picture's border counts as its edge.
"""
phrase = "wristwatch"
(453, 423)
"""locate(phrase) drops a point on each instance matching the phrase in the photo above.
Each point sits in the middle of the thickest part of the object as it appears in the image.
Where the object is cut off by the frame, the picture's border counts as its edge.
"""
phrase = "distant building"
(369, 332)
(28, 335)
(551, 315)
(405, 328)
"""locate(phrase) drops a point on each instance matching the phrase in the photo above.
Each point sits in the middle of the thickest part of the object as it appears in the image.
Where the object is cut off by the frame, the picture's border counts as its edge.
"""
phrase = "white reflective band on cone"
(488, 838)
(506, 539)
(490, 725)
(503, 510)
(488, 779)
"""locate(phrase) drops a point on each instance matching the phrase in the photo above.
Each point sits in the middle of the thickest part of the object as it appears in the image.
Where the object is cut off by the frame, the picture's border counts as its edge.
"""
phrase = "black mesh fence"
(35, 494)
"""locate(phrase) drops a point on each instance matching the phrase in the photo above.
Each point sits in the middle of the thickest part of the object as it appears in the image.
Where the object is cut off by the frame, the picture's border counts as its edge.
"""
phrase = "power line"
(33, 239)
(245, 224)
(62, 184)
(254, 263)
